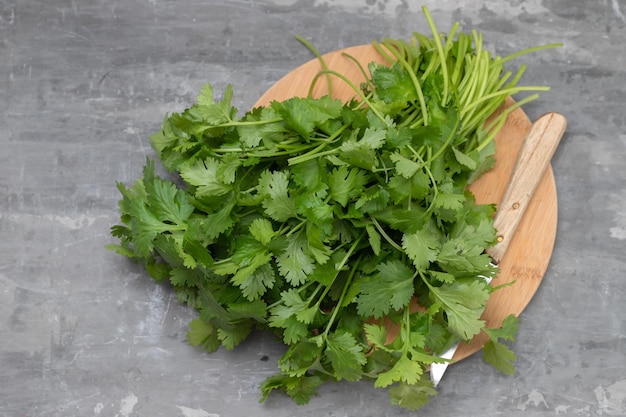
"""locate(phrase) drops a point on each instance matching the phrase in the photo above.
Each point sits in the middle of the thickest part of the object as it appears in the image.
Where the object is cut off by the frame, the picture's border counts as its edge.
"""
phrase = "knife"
(532, 161)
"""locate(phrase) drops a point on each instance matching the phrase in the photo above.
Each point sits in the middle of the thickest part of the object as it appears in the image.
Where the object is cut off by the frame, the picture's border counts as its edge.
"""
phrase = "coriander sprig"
(316, 219)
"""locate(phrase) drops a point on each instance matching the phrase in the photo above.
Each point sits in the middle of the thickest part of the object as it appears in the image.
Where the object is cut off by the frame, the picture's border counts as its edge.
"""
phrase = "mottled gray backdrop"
(83, 84)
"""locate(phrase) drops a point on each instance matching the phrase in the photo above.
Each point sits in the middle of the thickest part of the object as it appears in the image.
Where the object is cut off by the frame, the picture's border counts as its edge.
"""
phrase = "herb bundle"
(315, 219)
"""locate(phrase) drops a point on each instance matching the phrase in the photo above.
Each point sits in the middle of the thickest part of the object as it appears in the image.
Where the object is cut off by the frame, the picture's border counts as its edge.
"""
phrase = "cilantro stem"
(297, 227)
(385, 235)
(407, 328)
(423, 277)
(453, 133)
(237, 123)
(417, 154)
(414, 80)
(251, 122)
(359, 66)
(530, 50)
(495, 126)
(266, 153)
(442, 56)
(344, 291)
(354, 88)
(501, 93)
(322, 63)
(338, 271)
(316, 152)
(390, 60)
(435, 188)
(410, 118)
(462, 46)
(311, 155)
(314, 293)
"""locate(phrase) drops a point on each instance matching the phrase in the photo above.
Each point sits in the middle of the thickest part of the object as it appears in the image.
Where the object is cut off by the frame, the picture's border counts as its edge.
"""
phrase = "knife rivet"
(500, 238)
(515, 206)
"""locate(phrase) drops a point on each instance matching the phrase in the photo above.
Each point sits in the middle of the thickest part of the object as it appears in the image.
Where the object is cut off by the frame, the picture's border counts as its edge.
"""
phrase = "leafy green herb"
(312, 218)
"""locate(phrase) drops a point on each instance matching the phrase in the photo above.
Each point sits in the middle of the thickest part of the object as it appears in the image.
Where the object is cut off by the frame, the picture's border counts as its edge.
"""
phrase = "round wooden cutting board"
(529, 252)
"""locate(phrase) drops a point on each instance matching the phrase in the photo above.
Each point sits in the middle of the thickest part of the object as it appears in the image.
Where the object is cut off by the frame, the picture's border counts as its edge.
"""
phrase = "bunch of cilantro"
(315, 219)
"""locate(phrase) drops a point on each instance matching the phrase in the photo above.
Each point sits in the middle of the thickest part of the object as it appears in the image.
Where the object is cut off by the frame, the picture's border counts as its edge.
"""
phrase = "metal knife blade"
(532, 161)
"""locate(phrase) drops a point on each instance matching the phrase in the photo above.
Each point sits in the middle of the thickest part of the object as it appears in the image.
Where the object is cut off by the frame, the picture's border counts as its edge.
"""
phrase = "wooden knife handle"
(532, 161)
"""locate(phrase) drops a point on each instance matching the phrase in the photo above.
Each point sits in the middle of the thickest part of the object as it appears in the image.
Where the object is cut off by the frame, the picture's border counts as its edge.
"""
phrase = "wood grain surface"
(528, 255)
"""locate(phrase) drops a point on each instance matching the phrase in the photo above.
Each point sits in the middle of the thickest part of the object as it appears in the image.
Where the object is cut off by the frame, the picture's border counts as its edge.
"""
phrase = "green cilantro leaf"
(392, 84)
(373, 138)
(255, 280)
(311, 177)
(499, 356)
(390, 288)
(262, 125)
(346, 183)
(145, 228)
(273, 187)
(374, 239)
(463, 301)
(262, 230)
(448, 199)
(497, 353)
(167, 202)
(462, 258)
(506, 331)
(220, 221)
(234, 335)
(464, 159)
(295, 264)
(405, 166)
(422, 247)
(358, 154)
(405, 370)
(203, 174)
(442, 276)
(206, 95)
(327, 273)
(346, 356)
(304, 114)
(254, 309)
(299, 358)
(376, 334)
(299, 388)
(211, 112)
(203, 334)
(412, 396)
(183, 277)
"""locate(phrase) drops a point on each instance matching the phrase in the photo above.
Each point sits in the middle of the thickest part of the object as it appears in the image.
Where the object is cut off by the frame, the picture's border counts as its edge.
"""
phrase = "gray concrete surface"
(83, 84)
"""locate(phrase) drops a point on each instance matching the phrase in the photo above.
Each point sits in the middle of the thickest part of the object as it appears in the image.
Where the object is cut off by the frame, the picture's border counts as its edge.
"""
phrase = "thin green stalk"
(530, 50)
(321, 60)
(495, 126)
(317, 151)
(442, 55)
(462, 46)
(406, 321)
(339, 268)
(517, 77)
(390, 60)
(504, 93)
(344, 291)
(354, 88)
(235, 123)
(416, 85)
(359, 66)
(385, 235)
(448, 141)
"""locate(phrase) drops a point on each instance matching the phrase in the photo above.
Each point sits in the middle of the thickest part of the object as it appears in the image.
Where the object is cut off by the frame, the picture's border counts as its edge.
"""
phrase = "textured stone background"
(84, 83)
